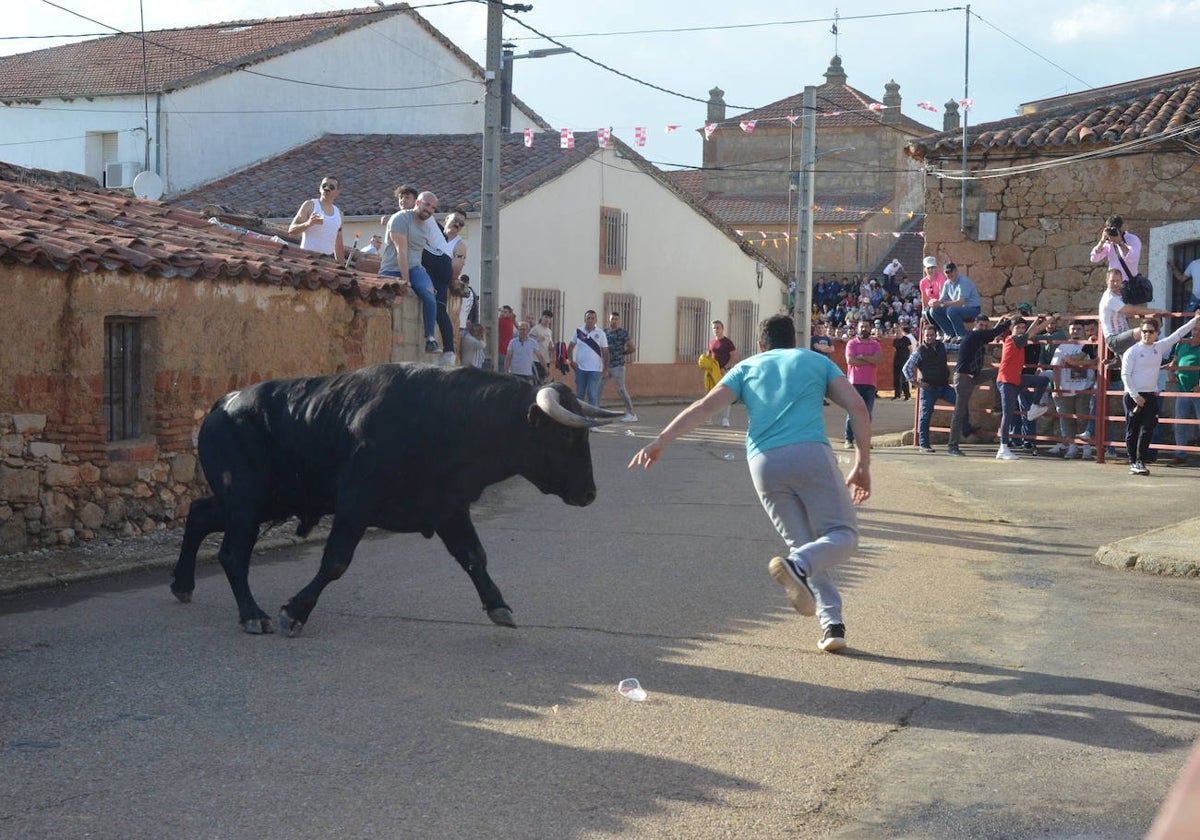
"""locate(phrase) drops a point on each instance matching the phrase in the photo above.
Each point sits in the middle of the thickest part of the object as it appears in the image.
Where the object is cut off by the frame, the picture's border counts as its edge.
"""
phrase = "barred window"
(536, 301)
(123, 378)
(742, 328)
(613, 245)
(630, 309)
(692, 325)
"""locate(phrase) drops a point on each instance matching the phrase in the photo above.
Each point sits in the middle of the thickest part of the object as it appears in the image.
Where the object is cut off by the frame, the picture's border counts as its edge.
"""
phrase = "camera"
(1113, 231)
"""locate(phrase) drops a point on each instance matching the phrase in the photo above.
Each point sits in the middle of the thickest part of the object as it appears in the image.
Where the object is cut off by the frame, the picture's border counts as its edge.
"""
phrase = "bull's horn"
(590, 410)
(547, 401)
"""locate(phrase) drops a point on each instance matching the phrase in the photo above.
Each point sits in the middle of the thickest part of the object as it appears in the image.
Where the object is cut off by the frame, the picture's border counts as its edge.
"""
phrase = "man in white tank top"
(319, 222)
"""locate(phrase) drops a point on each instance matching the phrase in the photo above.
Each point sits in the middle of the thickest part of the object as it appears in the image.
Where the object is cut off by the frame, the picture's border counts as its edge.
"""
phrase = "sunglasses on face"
(329, 186)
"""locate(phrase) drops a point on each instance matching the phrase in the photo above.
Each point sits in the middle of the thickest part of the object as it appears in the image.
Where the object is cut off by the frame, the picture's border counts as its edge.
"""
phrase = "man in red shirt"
(863, 355)
(1011, 382)
(721, 350)
(505, 327)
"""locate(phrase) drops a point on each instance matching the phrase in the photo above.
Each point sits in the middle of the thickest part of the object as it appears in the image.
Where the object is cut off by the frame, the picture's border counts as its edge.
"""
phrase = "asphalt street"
(999, 681)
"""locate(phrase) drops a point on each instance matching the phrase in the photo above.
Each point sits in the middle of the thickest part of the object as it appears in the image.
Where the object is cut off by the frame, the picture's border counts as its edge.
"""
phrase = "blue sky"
(754, 50)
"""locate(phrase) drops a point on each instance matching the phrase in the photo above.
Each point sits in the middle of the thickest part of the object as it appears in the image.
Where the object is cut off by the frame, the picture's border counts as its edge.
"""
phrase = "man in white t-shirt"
(1074, 384)
(588, 351)
(1115, 313)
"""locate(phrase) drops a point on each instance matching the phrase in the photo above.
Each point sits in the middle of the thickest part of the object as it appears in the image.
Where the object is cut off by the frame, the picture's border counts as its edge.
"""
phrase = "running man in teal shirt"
(792, 465)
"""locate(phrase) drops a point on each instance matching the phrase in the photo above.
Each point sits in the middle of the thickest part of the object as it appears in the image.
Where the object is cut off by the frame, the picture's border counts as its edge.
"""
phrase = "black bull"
(400, 447)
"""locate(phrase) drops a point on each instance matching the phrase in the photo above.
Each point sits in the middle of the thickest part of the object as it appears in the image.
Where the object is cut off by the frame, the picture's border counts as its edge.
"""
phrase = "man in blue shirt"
(959, 299)
(792, 465)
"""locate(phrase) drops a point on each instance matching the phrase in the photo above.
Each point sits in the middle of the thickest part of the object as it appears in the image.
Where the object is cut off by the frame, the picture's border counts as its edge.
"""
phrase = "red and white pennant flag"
(876, 106)
(928, 106)
(639, 135)
(709, 128)
(566, 138)
(671, 128)
(793, 120)
(603, 135)
(529, 138)
(748, 125)
(966, 104)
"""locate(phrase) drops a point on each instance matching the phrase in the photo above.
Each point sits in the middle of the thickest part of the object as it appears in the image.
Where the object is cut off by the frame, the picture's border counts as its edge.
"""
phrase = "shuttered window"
(614, 226)
(123, 378)
(692, 325)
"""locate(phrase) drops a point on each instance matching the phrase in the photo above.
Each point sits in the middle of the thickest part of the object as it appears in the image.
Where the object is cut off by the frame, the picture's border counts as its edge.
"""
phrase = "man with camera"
(1117, 246)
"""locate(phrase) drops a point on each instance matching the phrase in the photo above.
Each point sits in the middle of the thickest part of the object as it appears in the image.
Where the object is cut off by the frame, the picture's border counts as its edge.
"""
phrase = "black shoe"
(788, 575)
(954, 450)
(431, 346)
(834, 638)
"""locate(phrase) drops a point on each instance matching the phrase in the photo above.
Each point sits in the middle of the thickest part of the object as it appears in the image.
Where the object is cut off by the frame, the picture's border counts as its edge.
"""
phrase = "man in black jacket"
(928, 371)
(970, 373)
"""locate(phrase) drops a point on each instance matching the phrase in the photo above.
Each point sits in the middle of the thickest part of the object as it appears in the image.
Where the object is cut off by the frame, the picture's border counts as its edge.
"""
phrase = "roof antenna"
(833, 31)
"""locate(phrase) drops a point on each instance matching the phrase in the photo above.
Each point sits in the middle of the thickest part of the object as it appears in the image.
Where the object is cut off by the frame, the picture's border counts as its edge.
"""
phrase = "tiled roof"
(94, 230)
(743, 210)
(371, 166)
(177, 58)
(1115, 114)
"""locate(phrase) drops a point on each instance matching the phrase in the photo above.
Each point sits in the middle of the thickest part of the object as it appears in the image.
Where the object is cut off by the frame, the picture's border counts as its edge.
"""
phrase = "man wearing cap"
(959, 298)
(930, 286)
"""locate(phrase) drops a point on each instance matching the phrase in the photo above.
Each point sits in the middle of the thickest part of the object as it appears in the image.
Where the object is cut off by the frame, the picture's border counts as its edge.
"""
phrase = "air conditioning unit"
(120, 173)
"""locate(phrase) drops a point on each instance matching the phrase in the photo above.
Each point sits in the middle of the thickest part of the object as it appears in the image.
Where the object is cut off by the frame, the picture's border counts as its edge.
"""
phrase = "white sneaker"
(725, 422)
(1036, 411)
(446, 359)
(1072, 452)
(1086, 436)
(629, 418)
(1057, 450)
(1006, 454)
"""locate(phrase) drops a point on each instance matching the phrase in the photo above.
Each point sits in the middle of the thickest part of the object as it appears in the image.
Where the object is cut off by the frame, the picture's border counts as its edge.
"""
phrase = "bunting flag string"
(641, 133)
(781, 239)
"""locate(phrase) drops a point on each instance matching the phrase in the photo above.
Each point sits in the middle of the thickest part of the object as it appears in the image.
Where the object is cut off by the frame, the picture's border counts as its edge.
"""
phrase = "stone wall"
(61, 479)
(1049, 220)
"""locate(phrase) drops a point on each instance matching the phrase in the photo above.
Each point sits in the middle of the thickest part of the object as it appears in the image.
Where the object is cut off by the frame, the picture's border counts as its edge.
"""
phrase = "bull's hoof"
(182, 596)
(290, 626)
(502, 616)
(258, 626)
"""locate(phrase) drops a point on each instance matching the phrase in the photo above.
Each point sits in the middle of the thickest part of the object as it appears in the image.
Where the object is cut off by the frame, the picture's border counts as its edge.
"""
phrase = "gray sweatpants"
(804, 493)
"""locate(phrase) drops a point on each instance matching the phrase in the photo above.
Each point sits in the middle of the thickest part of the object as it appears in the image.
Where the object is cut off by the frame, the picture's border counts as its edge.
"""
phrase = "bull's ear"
(536, 417)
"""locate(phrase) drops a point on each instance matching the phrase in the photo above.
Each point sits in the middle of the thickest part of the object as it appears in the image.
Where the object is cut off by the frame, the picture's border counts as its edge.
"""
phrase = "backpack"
(1135, 288)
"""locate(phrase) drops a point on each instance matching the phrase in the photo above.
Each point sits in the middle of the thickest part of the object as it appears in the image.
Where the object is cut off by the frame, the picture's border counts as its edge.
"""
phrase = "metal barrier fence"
(1103, 421)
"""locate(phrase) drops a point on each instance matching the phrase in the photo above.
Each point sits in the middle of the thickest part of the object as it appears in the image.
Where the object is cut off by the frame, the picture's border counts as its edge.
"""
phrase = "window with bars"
(692, 326)
(614, 226)
(536, 301)
(123, 378)
(742, 327)
(630, 309)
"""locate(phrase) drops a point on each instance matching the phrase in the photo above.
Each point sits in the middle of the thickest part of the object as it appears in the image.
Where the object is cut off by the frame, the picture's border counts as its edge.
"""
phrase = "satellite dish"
(148, 185)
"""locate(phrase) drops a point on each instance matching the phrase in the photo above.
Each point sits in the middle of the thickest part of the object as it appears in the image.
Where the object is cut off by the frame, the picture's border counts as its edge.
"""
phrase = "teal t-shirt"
(783, 392)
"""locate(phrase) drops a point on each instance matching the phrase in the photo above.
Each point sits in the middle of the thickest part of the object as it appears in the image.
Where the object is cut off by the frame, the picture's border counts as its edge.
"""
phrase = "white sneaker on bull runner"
(1036, 411)
(788, 575)
(834, 638)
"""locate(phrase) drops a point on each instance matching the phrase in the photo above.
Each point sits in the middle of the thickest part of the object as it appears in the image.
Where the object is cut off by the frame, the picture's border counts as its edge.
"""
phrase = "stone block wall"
(1049, 220)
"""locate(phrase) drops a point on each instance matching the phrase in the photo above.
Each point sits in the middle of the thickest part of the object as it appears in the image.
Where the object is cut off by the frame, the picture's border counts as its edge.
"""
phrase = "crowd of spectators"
(885, 302)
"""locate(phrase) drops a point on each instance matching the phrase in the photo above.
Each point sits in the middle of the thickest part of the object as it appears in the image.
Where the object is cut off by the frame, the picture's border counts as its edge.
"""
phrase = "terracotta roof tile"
(749, 210)
(176, 58)
(88, 231)
(1114, 114)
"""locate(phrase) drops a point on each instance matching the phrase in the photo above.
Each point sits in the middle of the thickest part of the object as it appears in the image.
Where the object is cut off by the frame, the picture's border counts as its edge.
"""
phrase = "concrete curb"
(1169, 551)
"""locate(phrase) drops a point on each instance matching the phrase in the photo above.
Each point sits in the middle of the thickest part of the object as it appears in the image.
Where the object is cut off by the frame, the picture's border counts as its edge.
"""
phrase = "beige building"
(1040, 186)
(866, 191)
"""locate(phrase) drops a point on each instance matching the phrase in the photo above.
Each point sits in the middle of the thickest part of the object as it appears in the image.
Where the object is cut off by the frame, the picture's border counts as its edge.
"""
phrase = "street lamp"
(506, 78)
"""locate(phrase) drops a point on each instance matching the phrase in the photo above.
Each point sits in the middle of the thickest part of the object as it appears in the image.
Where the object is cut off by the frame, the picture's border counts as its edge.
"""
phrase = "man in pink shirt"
(930, 287)
(863, 355)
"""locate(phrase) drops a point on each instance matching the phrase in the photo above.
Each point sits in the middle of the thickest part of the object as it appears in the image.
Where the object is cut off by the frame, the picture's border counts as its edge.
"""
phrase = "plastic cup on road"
(632, 689)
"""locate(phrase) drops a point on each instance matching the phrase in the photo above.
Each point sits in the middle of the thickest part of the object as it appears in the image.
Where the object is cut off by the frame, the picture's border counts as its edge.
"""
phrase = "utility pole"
(802, 315)
(489, 246)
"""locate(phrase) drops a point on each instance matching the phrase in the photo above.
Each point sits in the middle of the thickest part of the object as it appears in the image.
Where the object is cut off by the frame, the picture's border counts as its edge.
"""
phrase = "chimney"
(950, 118)
(716, 105)
(891, 99)
(716, 114)
(835, 75)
